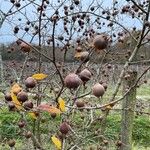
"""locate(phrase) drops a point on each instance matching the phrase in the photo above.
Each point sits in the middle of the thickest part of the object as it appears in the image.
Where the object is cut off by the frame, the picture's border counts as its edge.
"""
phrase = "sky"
(6, 30)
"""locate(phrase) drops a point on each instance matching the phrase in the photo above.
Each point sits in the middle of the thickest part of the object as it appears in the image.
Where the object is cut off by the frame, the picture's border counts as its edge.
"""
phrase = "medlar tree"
(47, 29)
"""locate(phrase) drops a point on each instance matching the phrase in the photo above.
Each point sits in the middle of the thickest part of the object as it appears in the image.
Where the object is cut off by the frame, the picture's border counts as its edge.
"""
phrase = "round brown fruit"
(98, 90)
(11, 106)
(28, 134)
(53, 115)
(72, 81)
(28, 105)
(100, 42)
(22, 96)
(85, 75)
(21, 124)
(80, 104)
(11, 143)
(118, 143)
(84, 56)
(8, 97)
(25, 47)
(30, 82)
(77, 2)
(79, 49)
(64, 128)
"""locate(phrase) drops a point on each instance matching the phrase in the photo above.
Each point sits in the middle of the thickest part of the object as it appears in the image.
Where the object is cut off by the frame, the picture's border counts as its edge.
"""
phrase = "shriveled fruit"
(64, 128)
(98, 90)
(100, 42)
(118, 143)
(53, 115)
(28, 134)
(79, 49)
(72, 81)
(25, 47)
(28, 105)
(22, 96)
(77, 2)
(21, 124)
(84, 56)
(30, 82)
(80, 104)
(11, 143)
(11, 106)
(8, 97)
(85, 75)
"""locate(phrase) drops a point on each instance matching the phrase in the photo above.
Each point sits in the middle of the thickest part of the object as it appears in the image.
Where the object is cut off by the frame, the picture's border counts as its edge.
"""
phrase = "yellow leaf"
(61, 104)
(15, 101)
(108, 107)
(32, 115)
(16, 88)
(39, 76)
(56, 141)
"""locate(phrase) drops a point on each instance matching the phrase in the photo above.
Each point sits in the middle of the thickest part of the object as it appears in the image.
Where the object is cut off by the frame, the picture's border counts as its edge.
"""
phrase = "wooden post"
(128, 106)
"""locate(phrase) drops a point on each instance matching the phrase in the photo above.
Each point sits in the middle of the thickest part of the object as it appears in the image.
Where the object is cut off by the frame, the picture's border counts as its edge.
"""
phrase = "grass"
(49, 127)
(9, 129)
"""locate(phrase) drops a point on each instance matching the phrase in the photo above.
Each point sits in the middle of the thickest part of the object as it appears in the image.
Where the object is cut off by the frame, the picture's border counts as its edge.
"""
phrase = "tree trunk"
(128, 106)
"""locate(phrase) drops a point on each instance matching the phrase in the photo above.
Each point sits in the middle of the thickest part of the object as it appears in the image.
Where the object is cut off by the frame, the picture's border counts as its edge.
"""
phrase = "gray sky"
(6, 31)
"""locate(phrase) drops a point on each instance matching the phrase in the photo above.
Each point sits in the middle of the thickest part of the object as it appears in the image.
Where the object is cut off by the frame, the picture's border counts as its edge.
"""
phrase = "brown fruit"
(64, 128)
(85, 75)
(105, 86)
(105, 142)
(84, 56)
(53, 115)
(80, 104)
(118, 143)
(21, 124)
(11, 143)
(79, 49)
(25, 47)
(11, 106)
(100, 42)
(98, 90)
(28, 134)
(30, 82)
(28, 105)
(8, 97)
(56, 90)
(109, 66)
(72, 81)
(77, 2)
(22, 96)
(127, 77)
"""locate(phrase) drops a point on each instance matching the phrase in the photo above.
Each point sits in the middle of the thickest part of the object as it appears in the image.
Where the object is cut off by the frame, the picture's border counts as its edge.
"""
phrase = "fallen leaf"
(16, 101)
(61, 103)
(16, 88)
(56, 141)
(39, 76)
(32, 115)
(48, 108)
